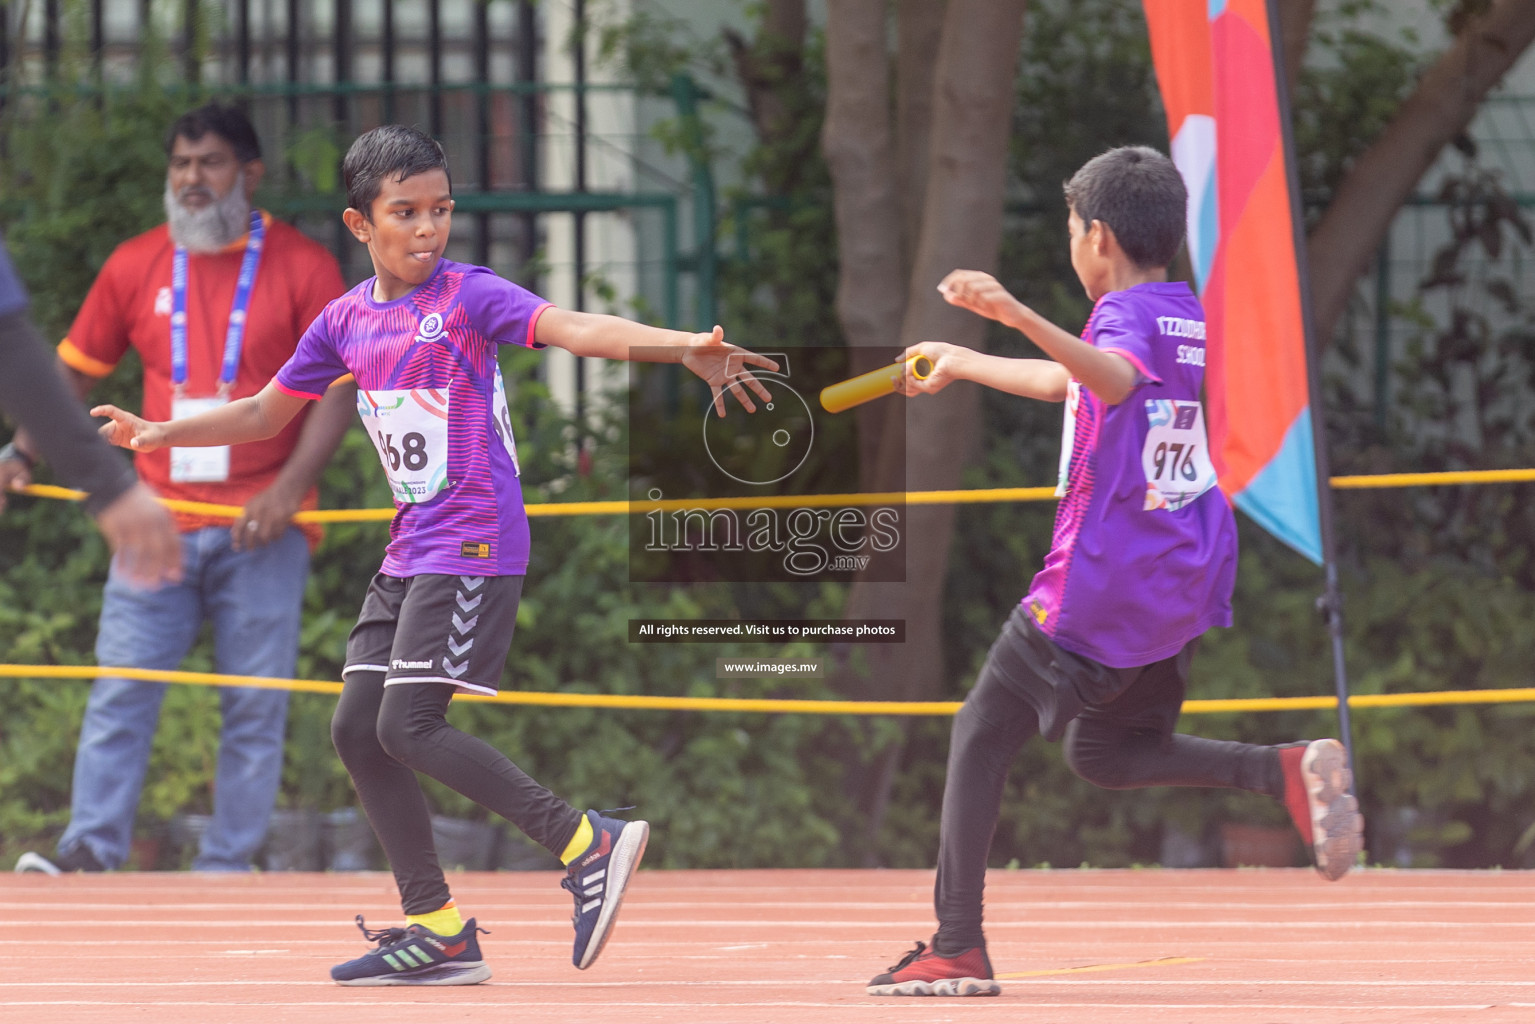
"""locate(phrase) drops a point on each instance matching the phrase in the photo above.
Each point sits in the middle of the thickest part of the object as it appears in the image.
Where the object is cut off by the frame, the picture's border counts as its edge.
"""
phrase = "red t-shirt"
(129, 306)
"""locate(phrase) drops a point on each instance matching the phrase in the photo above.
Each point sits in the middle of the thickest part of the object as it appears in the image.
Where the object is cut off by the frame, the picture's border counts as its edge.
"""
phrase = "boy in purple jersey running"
(1142, 562)
(421, 338)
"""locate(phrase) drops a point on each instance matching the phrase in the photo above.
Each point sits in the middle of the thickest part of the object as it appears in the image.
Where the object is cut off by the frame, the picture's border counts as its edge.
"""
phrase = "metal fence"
(530, 167)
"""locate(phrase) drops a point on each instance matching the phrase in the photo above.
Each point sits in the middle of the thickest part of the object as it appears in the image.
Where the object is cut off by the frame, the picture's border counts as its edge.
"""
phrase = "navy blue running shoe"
(598, 878)
(415, 956)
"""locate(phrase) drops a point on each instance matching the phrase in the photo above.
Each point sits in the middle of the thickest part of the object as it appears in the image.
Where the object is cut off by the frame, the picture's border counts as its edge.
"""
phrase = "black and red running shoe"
(1316, 793)
(923, 972)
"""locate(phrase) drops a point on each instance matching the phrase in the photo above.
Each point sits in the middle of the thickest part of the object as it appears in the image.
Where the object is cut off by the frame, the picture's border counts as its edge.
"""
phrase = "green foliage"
(1437, 583)
(736, 790)
(1085, 85)
(52, 567)
(78, 178)
(1450, 786)
(1353, 82)
(315, 156)
(733, 789)
(1441, 579)
(777, 284)
(647, 45)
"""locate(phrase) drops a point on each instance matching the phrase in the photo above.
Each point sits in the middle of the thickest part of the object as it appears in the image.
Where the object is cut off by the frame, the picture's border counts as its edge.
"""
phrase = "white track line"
(636, 916)
(925, 1007)
(1097, 980)
(1034, 906)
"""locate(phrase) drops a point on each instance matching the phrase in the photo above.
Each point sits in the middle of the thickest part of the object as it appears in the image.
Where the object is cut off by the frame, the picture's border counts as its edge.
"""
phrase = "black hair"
(228, 123)
(390, 150)
(1138, 193)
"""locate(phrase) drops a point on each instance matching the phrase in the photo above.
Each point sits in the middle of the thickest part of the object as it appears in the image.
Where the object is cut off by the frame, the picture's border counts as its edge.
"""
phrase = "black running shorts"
(1060, 685)
(436, 629)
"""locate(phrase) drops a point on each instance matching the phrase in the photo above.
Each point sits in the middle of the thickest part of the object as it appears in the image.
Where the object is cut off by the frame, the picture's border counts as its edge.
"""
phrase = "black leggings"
(385, 734)
(1127, 743)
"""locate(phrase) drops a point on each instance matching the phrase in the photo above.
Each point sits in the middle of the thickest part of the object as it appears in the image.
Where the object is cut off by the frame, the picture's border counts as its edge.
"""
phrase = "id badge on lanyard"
(209, 465)
(198, 465)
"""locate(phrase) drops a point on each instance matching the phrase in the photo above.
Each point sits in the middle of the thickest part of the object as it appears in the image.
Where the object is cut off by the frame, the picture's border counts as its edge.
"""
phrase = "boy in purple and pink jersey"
(1142, 561)
(1122, 586)
(435, 348)
(421, 338)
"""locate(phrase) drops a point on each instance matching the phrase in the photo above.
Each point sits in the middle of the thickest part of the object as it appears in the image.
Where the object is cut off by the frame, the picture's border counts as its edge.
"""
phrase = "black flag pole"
(1330, 604)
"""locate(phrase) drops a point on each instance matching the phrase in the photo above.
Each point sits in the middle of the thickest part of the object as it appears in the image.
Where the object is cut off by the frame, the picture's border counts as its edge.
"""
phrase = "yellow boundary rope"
(1165, 961)
(965, 497)
(770, 706)
(764, 705)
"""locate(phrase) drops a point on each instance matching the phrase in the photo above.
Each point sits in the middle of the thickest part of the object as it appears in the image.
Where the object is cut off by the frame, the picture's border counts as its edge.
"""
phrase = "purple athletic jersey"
(431, 398)
(1143, 559)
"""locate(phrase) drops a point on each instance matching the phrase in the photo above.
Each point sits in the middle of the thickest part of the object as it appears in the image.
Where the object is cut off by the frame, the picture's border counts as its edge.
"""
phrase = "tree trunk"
(1381, 180)
(858, 140)
(763, 66)
(921, 34)
(1294, 30)
(960, 226)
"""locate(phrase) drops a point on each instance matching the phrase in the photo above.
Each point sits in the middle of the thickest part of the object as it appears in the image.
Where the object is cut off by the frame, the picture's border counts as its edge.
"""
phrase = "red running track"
(1250, 946)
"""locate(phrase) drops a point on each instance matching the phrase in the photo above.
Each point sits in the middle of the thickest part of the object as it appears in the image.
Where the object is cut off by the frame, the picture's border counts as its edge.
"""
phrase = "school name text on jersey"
(1181, 327)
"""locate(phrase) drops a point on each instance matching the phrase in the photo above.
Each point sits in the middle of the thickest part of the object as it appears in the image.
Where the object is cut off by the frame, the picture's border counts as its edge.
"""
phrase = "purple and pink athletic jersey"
(431, 397)
(1144, 554)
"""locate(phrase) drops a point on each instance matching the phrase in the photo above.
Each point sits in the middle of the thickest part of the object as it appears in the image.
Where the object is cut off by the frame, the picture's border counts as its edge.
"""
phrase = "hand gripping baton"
(875, 384)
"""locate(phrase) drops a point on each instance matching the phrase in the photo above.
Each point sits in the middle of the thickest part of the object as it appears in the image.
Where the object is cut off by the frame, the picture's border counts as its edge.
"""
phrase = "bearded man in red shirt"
(213, 301)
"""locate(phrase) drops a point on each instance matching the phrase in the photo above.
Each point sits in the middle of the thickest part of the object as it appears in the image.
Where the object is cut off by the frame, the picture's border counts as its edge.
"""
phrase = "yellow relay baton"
(875, 384)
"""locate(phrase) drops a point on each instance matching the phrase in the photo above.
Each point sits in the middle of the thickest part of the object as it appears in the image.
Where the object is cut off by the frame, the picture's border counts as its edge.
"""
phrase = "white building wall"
(611, 244)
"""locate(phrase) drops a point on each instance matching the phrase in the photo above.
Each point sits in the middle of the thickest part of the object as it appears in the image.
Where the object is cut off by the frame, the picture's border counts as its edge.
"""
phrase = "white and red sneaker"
(922, 972)
(1316, 793)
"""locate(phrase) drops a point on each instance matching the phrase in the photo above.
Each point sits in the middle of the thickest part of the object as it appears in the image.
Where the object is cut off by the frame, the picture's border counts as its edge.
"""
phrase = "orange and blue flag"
(1215, 67)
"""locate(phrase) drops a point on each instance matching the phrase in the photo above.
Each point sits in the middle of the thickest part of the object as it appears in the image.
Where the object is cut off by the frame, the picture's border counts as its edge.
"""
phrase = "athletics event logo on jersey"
(431, 330)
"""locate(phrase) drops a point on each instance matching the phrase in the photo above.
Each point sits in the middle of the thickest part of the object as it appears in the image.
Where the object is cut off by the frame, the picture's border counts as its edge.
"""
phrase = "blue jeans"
(254, 599)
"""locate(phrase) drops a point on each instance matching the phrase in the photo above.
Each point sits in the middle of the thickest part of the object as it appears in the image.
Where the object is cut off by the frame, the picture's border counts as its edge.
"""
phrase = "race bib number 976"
(1176, 456)
(410, 431)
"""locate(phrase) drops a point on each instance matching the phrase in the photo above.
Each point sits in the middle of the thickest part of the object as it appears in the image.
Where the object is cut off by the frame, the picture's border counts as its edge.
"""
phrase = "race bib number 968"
(1176, 456)
(410, 430)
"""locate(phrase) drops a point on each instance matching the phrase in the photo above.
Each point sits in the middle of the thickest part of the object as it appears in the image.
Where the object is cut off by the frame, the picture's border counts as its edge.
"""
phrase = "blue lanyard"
(234, 339)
